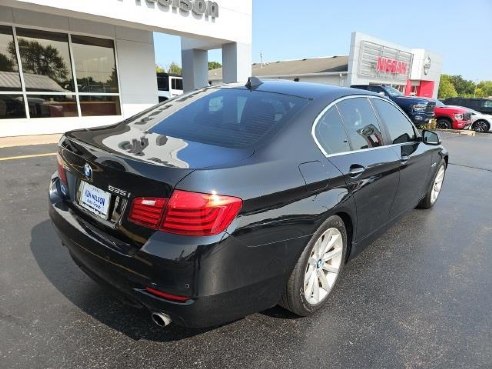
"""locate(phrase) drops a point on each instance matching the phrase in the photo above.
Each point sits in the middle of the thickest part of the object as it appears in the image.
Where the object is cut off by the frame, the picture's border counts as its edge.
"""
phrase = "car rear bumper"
(220, 288)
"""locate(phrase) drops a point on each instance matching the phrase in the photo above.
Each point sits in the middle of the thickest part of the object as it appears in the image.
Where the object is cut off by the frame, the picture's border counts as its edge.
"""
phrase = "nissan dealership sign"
(393, 66)
(197, 7)
(383, 62)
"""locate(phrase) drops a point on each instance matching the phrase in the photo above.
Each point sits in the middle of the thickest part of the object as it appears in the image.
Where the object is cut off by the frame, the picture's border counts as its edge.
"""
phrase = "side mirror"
(430, 138)
(381, 93)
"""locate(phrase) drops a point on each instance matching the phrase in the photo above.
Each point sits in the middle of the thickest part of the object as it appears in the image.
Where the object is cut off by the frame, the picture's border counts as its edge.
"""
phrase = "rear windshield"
(229, 117)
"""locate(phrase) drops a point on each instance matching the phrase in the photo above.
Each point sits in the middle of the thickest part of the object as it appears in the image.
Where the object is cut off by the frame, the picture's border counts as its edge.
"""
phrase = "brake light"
(199, 214)
(147, 211)
(61, 170)
(187, 213)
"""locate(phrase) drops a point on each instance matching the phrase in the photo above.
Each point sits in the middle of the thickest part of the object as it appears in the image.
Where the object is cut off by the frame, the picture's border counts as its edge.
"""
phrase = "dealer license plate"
(94, 199)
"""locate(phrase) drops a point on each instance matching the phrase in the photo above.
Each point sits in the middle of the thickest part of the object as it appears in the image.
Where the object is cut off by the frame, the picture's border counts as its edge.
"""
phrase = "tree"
(446, 88)
(41, 60)
(112, 81)
(486, 87)
(479, 92)
(6, 64)
(214, 65)
(455, 85)
(88, 84)
(174, 69)
(462, 86)
(159, 69)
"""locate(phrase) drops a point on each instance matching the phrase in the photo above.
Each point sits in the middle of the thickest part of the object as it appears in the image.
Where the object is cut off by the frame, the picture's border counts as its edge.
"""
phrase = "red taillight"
(147, 211)
(187, 213)
(166, 295)
(61, 170)
(199, 214)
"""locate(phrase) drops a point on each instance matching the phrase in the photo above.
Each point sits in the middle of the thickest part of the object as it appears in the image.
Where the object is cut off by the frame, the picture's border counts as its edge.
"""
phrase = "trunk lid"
(108, 167)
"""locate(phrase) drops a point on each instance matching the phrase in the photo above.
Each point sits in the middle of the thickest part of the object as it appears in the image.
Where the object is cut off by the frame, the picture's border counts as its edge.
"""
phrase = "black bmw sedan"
(229, 200)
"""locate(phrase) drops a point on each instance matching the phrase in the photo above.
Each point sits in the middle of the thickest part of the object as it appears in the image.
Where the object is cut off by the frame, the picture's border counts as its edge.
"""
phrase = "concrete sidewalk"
(28, 140)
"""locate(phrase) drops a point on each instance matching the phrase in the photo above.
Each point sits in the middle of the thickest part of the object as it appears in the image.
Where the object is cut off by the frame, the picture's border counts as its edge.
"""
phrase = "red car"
(451, 117)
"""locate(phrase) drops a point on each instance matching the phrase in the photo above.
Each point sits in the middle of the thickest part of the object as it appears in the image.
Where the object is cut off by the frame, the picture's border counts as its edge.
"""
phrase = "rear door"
(370, 169)
(414, 156)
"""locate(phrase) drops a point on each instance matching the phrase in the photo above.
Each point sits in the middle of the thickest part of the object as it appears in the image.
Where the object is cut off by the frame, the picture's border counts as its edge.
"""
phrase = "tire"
(444, 123)
(481, 126)
(431, 196)
(300, 296)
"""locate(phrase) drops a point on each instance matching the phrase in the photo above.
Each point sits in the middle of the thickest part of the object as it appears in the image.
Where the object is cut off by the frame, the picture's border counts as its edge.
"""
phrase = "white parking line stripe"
(27, 156)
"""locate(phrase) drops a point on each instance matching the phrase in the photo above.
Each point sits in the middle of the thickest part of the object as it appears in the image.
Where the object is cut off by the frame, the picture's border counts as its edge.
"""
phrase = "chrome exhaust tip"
(161, 319)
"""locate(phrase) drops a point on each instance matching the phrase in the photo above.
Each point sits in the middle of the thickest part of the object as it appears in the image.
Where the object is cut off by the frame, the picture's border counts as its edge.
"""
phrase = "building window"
(38, 70)
(11, 99)
(45, 59)
(10, 79)
(45, 106)
(95, 64)
(99, 105)
(12, 106)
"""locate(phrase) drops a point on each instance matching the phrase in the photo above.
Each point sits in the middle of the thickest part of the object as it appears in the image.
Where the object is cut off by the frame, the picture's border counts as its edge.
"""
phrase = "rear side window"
(399, 128)
(361, 123)
(229, 117)
(177, 84)
(330, 133)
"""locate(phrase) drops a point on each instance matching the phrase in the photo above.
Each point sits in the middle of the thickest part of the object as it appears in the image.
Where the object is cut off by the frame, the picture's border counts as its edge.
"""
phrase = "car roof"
(306, 90)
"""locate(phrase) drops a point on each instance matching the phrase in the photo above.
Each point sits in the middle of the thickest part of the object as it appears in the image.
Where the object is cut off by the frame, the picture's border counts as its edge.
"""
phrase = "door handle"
(356, 170)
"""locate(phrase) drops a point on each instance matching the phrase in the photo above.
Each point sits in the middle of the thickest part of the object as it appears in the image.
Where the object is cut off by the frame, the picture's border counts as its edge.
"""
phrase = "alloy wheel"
(481, 126)
(323, 266)
(436, 188)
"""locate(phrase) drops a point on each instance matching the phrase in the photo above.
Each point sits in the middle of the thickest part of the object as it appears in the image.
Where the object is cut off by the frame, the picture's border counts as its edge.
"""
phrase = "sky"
(459, 30)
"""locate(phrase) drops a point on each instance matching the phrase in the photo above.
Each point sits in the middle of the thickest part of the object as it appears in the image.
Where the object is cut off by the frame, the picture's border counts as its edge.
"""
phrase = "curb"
(14, 141)
(457, 131)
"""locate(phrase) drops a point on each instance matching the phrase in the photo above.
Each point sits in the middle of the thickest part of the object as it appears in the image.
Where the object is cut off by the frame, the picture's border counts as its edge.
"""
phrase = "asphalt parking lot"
(419, 297)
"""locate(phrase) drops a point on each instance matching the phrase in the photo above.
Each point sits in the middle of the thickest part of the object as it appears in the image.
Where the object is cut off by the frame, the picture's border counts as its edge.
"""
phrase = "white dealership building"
(67, 64)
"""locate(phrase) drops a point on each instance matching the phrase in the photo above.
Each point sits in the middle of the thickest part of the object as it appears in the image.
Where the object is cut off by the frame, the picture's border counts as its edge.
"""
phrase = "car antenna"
(253, 82)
